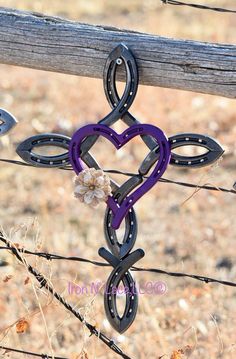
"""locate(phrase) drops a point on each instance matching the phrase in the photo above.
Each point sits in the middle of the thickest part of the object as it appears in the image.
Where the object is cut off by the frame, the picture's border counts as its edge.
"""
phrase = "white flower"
(92, 187)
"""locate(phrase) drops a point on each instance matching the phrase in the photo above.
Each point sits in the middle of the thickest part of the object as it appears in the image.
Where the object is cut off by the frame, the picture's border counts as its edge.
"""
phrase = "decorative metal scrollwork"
(120, 203)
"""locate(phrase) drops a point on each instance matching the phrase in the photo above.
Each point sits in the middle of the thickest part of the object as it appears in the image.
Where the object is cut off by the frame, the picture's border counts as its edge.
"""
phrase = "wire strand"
(50, 256)
(197, 6)
(43, 356)
(45, 284)
(163, 180)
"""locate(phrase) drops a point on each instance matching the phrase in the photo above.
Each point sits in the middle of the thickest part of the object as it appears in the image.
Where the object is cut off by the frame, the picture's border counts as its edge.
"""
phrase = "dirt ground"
(178, 231)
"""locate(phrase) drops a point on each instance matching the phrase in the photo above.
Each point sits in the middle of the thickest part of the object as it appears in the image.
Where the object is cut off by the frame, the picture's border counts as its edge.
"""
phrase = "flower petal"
(87, 178)
(99, 193)
(88, 197)
(99, 181)
(81, 189)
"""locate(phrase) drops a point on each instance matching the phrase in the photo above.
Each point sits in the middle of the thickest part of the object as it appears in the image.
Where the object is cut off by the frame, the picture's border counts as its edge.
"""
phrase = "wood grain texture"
(54, 44)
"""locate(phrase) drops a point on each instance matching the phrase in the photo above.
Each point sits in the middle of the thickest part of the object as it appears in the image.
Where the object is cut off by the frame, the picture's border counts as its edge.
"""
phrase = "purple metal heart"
(119, 140)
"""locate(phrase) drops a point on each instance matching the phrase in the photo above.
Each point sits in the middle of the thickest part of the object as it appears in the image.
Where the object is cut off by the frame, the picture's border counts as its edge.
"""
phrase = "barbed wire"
(197, 6)
(163, 180)
(45, 284)
(50, 256)
(43, 356)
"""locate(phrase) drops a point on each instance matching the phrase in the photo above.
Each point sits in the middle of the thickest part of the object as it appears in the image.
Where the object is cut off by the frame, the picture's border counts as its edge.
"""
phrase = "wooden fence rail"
(54, 44)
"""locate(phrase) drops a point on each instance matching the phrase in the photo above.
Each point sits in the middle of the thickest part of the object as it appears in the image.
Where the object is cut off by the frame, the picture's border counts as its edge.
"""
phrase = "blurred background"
(180, 230)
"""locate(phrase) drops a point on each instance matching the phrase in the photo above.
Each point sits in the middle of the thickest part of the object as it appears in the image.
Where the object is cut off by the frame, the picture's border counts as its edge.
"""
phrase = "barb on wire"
(197, 6)
(43, 356)
(50, 256)
(45, 284)
(163, 180)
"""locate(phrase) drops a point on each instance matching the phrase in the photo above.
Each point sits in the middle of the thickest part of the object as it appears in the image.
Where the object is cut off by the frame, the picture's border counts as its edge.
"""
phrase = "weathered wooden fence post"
(53, 44)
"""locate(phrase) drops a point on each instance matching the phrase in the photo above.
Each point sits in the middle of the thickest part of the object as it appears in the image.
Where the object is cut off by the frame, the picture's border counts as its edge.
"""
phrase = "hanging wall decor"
(93, 186)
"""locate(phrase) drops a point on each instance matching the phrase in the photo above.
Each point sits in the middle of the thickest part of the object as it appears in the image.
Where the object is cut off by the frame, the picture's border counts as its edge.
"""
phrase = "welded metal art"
(120, 204)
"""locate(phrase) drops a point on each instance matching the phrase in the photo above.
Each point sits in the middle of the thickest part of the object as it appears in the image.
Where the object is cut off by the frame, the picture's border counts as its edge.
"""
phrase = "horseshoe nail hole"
(119, 61)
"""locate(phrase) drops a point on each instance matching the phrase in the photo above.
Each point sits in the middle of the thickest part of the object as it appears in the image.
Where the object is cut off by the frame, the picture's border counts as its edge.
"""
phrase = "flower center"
(92, 187)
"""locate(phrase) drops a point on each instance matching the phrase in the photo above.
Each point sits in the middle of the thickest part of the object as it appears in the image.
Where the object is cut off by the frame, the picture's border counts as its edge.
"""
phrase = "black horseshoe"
(121, 107)
(119, 55)
(7, 121)
(119, 274)
(215, 151)
(25, 150)
(109, 84)
(120, 250)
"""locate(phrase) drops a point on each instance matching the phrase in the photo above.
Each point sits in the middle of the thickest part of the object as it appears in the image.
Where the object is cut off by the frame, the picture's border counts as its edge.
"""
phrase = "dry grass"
(37, 208)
